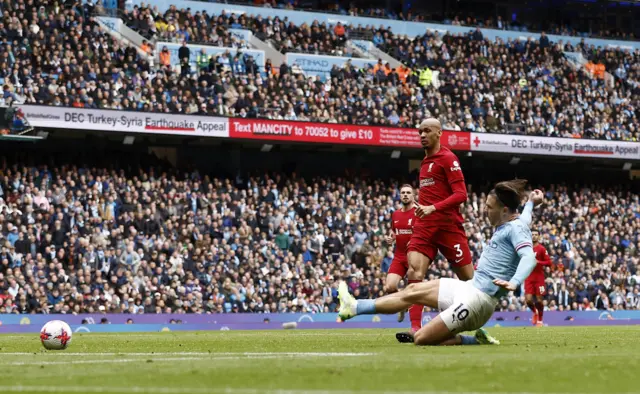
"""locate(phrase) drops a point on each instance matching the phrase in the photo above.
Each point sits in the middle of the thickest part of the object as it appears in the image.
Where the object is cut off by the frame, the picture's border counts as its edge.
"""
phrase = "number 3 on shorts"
(459, 251)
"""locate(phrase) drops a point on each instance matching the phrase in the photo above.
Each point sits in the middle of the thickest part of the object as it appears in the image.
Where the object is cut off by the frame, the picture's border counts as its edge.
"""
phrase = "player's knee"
(411, 288)
(411, 291)
(391, 288)
(417, 268)
(423, 339)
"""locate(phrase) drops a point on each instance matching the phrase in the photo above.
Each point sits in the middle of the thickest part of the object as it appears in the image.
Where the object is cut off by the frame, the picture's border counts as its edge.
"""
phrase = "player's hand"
(536, 197)
(425, 210)
(504, 284)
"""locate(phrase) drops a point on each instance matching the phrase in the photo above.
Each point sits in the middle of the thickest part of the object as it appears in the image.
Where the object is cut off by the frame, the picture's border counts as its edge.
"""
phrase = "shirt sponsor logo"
(456, 167)
(427, 182)
(404, 231)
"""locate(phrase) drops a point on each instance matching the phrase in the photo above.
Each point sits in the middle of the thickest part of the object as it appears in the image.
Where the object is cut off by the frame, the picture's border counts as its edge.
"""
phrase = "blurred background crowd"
(77, 239)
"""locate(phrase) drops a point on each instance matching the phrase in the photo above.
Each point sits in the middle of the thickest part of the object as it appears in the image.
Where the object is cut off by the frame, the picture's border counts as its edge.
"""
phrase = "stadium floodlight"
(395, 154)
(626, 166)
(266, 148)
(514, 160)
(128, 140)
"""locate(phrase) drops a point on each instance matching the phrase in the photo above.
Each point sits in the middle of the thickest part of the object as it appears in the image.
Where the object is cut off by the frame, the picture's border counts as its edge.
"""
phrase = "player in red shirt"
(401, 230)
(534, 285)
(439, 222)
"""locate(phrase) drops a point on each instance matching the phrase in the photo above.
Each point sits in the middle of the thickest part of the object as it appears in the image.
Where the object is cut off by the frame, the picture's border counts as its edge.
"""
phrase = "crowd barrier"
(224, 322)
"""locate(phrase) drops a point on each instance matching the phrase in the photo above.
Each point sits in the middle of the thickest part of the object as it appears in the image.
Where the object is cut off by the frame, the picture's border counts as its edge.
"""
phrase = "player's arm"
(456, 181)
(521, 241)
(458, 196)
(546, 260)
(525, 267)
(535, 199)
(390, 238)
(527, 212)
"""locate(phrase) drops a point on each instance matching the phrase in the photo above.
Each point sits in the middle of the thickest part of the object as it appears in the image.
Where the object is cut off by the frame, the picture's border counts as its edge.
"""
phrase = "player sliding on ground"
(504, 264)
(439, 224)
(401, 230)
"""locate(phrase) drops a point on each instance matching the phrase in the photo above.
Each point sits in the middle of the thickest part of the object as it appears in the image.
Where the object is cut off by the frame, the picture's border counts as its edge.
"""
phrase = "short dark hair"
(510, 193)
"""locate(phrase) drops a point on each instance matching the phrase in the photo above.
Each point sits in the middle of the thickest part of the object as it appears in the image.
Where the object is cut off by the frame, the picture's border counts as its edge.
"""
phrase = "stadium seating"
(178, 25)
(65, 59)
(78, 240)
(489, 20)
(479, 87)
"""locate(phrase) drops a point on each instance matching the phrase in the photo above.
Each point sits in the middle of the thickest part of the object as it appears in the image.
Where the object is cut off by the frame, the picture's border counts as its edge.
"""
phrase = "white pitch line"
(136, 360)
(116, 361)
(213, 354)
(200, 390)
(201, 357)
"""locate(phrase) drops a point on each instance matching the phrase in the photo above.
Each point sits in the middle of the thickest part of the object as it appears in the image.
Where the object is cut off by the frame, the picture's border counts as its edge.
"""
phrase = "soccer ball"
(55, 335)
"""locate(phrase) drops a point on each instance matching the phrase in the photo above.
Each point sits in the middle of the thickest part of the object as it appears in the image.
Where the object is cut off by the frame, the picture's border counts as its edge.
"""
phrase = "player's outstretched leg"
(436, 333)
(464, 308)
(425, 293)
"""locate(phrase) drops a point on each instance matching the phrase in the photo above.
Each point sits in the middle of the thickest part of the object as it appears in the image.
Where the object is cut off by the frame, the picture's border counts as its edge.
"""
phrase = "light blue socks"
(469, 340)
(366, 307)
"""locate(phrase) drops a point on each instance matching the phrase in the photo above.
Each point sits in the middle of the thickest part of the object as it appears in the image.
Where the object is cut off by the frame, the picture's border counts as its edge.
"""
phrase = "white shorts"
(464, 308)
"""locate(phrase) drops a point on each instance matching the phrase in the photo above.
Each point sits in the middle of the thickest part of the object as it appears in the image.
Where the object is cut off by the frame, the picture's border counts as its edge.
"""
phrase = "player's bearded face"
(535, 236)
(406, 196)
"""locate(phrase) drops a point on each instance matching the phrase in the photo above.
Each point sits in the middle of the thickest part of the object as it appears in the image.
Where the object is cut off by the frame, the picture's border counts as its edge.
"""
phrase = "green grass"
(544, 360)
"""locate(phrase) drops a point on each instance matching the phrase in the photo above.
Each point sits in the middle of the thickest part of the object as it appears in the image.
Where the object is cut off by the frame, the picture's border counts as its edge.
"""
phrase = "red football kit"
(442, 185)
(534, 284)
(402, 226)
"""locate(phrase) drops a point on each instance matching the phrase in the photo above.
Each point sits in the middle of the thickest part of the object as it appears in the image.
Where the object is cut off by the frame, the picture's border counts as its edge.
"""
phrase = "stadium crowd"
(54, 56)
(352, 8)
(179, 25)
(75, 240)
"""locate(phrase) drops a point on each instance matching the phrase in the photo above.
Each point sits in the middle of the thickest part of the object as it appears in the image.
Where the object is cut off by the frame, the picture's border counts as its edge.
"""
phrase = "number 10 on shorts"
(459, 314)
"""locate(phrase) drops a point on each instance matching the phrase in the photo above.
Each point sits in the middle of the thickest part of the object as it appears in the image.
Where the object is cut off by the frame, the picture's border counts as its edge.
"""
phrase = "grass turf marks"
(530, 360)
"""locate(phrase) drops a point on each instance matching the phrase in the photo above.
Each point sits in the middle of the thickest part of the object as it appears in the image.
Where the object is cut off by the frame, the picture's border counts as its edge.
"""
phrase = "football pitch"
(529, 360)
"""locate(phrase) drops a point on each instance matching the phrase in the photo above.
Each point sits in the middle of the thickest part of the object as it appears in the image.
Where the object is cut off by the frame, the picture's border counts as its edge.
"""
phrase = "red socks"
(415, 312)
